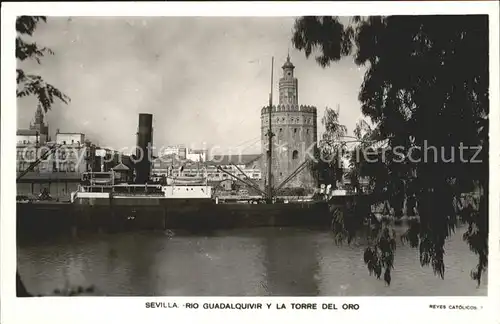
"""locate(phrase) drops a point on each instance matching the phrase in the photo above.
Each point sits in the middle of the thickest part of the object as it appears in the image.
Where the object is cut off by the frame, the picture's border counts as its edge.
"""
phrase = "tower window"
(307, 131)
(295, 155)
(281, 130)
(295, 130)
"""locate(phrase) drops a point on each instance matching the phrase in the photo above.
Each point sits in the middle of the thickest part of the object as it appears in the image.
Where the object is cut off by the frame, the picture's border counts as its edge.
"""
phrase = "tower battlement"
(289, 108)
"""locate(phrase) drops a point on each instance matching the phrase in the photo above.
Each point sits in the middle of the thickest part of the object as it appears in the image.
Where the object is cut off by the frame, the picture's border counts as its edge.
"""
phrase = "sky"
(204, 79)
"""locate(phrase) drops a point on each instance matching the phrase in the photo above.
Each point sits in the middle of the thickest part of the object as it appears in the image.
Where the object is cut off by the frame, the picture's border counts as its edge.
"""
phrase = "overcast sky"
(203, 79)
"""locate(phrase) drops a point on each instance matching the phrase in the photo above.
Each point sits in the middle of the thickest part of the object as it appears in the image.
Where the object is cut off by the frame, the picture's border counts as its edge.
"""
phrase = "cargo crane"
(51, 151)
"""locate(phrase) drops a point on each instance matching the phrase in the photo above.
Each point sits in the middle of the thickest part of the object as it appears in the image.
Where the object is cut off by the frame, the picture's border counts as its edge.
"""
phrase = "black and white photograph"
(292, 156)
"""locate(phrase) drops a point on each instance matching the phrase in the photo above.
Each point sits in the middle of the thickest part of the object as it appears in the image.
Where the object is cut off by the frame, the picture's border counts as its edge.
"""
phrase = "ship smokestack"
(144, 148)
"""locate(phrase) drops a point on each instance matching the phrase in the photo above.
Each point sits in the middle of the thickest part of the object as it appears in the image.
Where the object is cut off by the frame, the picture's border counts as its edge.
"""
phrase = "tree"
(32, 85)
(327, 166)
(366, 136)
(426, 86)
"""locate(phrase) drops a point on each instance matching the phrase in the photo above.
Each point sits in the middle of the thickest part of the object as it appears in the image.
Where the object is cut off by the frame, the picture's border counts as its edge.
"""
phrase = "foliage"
(426, 86)
(30, 84)
(327, 167)
(367, 136)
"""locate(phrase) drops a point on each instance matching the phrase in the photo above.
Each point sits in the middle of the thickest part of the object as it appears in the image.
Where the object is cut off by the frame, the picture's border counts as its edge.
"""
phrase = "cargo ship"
(103, 203)
(112, 201)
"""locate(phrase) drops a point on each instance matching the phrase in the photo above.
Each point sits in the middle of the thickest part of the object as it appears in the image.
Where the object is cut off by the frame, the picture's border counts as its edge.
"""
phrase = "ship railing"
(138, 189)
(139, 194)
(97, 188)
(186, 181)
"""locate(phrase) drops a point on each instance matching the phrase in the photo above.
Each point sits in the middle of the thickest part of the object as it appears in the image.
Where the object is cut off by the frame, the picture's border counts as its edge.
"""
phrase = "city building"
(173, 166)
(38, 131)
(72, 154)
(165, 164)
(63, 138)
(170, 150)
(30, 143)
(104, 159)
(295, 133)
(184, 153)
(60, 172)
(196, 155)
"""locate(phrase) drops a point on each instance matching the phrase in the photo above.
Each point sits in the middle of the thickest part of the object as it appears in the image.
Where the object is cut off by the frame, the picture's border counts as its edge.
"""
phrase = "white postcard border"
(132, 309)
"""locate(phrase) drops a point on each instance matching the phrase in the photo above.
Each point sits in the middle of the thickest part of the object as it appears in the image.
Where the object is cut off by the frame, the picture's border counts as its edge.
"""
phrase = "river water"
(245, 262)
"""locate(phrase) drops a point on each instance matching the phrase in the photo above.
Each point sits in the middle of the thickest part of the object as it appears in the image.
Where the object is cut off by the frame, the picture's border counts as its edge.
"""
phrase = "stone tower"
(295, 133)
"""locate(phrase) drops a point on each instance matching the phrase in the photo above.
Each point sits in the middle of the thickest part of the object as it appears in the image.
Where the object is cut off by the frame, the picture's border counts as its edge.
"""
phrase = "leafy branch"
(34, 85)
(29, 84)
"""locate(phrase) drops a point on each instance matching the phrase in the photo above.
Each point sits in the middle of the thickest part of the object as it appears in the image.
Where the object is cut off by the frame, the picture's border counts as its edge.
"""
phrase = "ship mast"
(270, 136)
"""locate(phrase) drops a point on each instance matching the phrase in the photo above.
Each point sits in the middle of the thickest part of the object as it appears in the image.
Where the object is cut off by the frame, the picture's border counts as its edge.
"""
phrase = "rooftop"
(197, 151)
(121, 167)
(288, 64)
(68, 133)
(244, 159)
(27, 132)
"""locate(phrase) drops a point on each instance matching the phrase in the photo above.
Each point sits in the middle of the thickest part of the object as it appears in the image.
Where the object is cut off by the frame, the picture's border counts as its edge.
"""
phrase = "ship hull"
(196, 215)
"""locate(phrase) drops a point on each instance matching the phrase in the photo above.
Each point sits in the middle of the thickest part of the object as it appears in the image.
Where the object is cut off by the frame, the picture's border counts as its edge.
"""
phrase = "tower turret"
(39, 115)
(288, 85)
(39, 123)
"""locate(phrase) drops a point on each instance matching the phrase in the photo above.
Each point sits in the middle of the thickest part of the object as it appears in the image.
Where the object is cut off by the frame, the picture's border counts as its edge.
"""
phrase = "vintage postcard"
(321, 160)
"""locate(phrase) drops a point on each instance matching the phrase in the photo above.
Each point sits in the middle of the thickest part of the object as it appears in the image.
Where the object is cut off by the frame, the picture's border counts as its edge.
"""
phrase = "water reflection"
(344, 273)
(291, 263)
(224, 264)
(254, 262)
